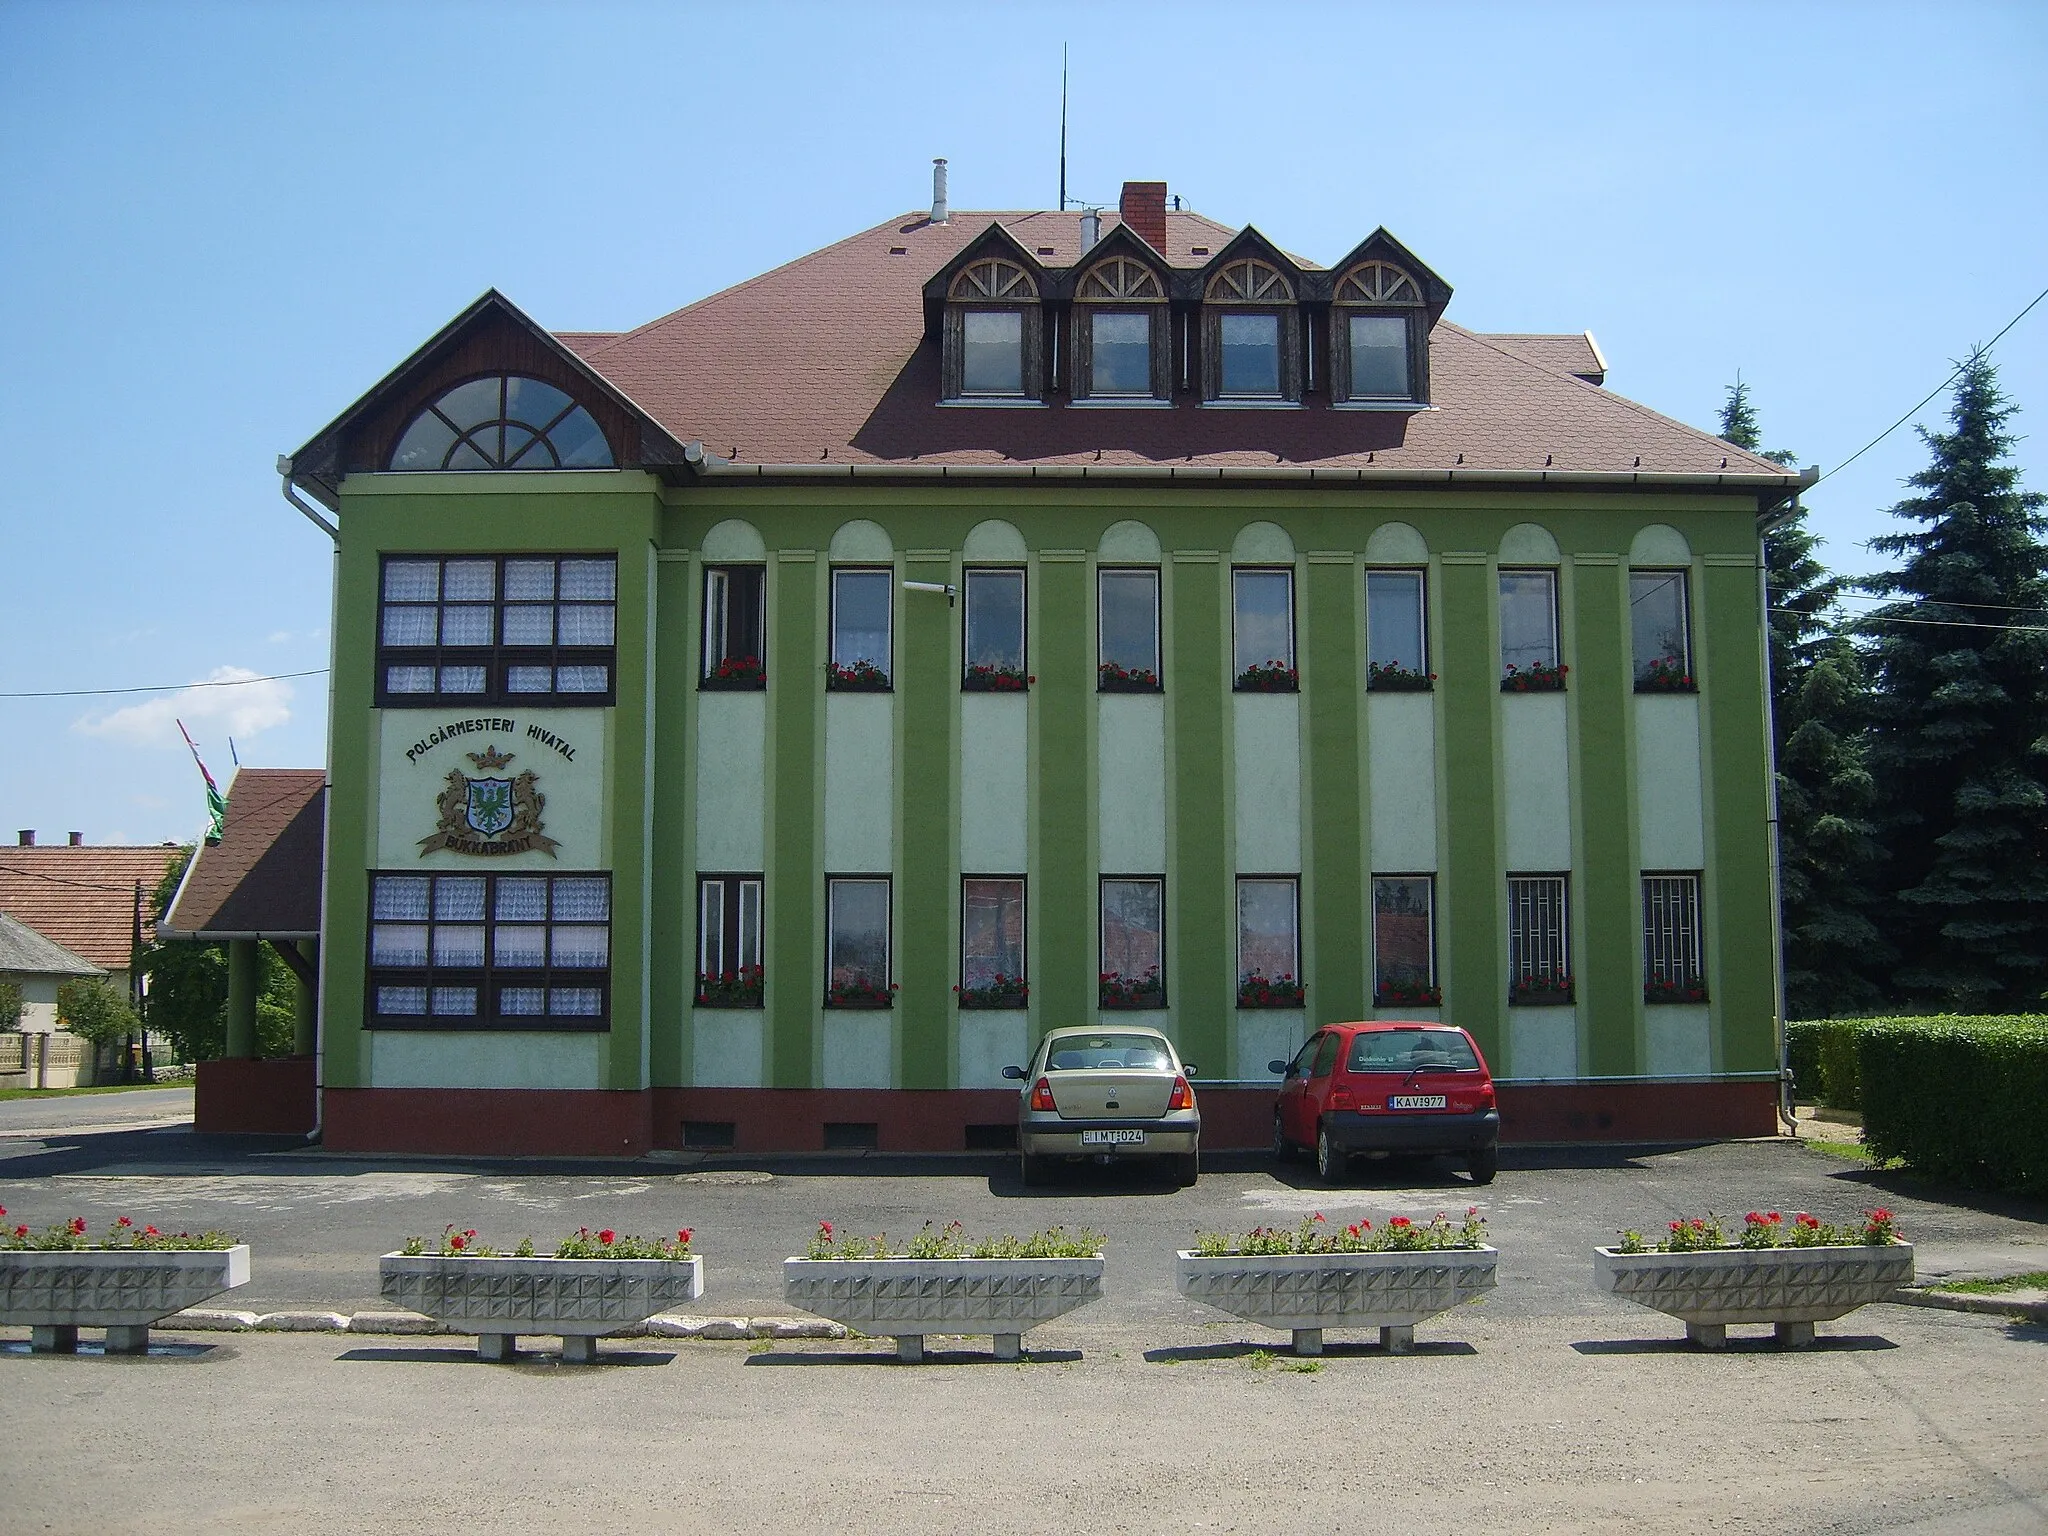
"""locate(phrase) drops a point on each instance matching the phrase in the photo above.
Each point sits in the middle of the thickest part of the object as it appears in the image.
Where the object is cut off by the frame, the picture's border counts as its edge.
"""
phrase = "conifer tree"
(1826, 853)
(1960, 709)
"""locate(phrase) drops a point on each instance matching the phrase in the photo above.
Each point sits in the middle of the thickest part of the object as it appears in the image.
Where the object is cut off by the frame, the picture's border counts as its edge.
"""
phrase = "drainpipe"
(1780, 514)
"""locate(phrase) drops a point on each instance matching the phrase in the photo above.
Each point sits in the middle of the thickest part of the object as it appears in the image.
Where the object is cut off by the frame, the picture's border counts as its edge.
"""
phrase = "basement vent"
(992, 1138)
(852, 1136)
(708, 1135)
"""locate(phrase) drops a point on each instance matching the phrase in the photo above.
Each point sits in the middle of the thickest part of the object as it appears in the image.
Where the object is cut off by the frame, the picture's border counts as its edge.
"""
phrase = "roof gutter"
(284, 470)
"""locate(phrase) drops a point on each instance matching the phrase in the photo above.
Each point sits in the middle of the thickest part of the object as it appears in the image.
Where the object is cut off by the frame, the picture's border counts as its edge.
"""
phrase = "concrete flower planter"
(1308, 1292)
(124, 1290)
(579, 1300)
(909, 1298)
(1790, 1288)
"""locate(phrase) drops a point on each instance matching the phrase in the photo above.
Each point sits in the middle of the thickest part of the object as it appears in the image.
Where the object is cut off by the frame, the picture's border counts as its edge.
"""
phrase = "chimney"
(1143, 207)
(1091, 229)
(77, 839)
(25, 838)
(940, 213)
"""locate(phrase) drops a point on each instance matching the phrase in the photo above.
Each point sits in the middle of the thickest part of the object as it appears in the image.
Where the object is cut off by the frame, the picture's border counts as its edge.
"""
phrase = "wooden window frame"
(731, 925)
(1023, 884)
(1102, 883)
(1158, 627)
(712, 655)
(496, 658)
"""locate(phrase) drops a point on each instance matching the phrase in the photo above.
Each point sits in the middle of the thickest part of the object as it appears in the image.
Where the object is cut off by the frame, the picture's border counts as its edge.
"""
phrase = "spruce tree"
(1960, 709)
(1826, 853)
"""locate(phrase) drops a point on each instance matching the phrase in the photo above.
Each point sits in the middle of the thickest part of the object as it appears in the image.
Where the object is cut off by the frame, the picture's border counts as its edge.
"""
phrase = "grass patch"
(66, 1093)
(1260, 1359)
(2032, 1280)
(1305, 1367)
(1847, 1151)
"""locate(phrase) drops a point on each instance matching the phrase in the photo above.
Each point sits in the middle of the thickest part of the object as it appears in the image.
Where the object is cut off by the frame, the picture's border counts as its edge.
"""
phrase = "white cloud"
(241, 712)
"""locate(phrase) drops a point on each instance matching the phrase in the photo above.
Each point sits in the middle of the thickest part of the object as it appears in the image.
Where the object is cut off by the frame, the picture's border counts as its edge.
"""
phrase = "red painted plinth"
(255, 1098)
(490, 1122)
(1675, 1111)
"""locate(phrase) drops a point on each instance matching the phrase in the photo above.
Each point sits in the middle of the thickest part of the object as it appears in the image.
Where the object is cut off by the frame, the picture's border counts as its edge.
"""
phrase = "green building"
(753, 729)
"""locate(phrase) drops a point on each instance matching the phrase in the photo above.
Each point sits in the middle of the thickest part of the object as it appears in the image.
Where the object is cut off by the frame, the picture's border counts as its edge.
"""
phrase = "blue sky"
(224, 222)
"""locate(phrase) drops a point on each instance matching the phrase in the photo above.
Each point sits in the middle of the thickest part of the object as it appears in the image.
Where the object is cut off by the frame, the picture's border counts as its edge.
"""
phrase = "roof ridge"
(1483, 339)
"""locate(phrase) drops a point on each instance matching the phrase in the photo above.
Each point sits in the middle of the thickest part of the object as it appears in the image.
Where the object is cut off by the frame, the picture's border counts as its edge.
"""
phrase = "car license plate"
(1112, 1138)
(1415, 1101)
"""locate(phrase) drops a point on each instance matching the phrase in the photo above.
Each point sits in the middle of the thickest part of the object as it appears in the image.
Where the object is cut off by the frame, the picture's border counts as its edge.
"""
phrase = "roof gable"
(263, 876)
(24, 952)
(1381, 246)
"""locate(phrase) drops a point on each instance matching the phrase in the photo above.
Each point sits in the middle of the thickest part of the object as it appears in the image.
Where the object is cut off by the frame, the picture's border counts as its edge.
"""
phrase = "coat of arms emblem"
(489, 815)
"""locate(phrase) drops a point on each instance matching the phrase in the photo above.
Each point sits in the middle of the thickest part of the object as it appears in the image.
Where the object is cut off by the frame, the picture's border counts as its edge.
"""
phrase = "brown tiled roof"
(1577, 355)
(83, 898)
(825, 361)
(263, 877)
(24, 952)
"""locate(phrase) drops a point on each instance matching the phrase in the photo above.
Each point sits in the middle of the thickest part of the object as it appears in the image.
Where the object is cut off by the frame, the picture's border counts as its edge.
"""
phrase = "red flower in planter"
(124, 1222)
(683, 1234)
(78, 1226)
(607, 1236)
(458, 1242)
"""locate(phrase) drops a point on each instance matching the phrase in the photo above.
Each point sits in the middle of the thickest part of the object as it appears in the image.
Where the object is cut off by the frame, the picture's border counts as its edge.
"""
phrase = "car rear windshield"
(1409, 1050)
(1086, 1053)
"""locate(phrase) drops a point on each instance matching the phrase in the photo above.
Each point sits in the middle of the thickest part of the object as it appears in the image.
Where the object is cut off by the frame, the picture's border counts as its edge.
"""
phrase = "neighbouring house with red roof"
(754, 729)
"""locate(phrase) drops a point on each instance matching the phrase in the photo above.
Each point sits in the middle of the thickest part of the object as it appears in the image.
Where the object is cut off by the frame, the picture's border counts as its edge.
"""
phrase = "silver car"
(1105, 1093)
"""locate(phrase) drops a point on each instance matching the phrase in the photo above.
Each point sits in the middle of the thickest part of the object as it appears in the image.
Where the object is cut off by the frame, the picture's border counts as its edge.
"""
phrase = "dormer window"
(1120, 336)
(1252, 335)
(1376, 335)
(992, 330)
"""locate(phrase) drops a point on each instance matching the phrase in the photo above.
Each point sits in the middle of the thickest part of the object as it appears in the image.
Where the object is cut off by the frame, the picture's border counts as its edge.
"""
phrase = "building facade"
(753, 730)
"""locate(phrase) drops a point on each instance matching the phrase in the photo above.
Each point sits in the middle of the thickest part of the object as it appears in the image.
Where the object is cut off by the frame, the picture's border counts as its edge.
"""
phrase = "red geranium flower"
(21, 1231)
(151, 1232)
(1400, 1221)
(606, 1235)
(78, 1226)
(457, 1243)
(683, 1234)
(124, 1222)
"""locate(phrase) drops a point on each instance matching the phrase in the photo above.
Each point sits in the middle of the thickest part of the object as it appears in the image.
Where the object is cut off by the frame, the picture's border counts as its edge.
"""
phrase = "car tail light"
(1340, 1099)
(1041, 1095)
(1183, 1095)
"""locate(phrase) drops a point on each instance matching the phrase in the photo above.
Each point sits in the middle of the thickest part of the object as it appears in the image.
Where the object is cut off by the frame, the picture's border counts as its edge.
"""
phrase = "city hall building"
(754, 729)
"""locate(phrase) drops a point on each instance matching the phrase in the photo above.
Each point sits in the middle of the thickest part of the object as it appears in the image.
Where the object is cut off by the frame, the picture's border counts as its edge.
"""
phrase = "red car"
(1385, 1088)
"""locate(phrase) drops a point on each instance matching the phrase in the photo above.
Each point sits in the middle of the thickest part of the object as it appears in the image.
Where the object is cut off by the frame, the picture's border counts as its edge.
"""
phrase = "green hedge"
(1823, 1059)
(1959, 1098)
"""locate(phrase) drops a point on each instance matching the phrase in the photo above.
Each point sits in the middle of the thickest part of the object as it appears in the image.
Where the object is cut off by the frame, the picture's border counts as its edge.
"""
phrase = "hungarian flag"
(216, 802)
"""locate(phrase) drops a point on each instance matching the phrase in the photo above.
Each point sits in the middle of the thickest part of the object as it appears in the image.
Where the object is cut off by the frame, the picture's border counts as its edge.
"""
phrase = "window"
(1119, 352)
(1402, 1050)
(1252, 334)
(1127, 632)
(1658, 626)
(1326, 1055)
(1133, 973)
(489, 951)
(1404, 940)
(992, 942)
(1528, 632)
(1119, 332)
(994, 619)
(729, 973)
(992, 332)
(483, 629)
(1397, 653)
(1268, 943)
(735, 629)
(503, 422)
(857, 944)
(1375, 345)
(1674, 968)
(860, 631)
(1262, 631)
(1539, 940)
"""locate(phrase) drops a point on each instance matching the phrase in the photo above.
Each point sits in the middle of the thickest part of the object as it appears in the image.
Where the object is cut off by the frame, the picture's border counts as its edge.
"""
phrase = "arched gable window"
(992, 332)
(1376, 331)
(505, 421)
(1251, 332)
(1122, 349)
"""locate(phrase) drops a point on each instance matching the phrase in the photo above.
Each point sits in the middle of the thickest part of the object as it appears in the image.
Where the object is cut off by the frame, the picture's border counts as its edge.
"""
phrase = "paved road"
(96, 1111)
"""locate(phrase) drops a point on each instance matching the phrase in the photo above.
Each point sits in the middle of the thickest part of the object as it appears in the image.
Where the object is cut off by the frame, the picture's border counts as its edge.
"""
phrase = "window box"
(860, 994)
(906, 1299)
(1690, 989)
(1120, 992)
(1111, 678)
(1541, 992)
(1304, 1293)
(1273, 677)
(730, 989)
(1790, 1288)
(855, 677)
(1665, 674)
(1536, 678)
(736, 674)
(998, 992)
(502, 1296)
(1392, 677)
(54, 1292)
(1407, 994)
(986, 679)
(1255, 989)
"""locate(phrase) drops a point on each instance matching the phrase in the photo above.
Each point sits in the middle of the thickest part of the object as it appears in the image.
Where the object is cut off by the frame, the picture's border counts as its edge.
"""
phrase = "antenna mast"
(1063, 127)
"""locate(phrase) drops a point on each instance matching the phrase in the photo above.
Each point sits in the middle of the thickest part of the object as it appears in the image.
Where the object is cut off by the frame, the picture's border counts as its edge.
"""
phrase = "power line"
(1939, 602)
(225, 682)
(1879, 618)
(1944, 384)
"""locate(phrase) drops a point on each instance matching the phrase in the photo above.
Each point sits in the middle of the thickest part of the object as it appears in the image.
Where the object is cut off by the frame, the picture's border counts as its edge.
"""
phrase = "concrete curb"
(668, 1326)
(1990, 1306)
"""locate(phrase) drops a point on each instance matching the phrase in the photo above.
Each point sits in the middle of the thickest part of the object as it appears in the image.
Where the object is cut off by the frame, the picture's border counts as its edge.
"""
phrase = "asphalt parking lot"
(1547, 1406)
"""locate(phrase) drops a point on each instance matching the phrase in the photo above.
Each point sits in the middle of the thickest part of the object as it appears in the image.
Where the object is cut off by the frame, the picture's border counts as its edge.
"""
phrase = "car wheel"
(1031, 1170)
(1187, 1167)
(1485, 1164)
(1283, 1149)
(1332, 1162)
